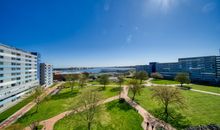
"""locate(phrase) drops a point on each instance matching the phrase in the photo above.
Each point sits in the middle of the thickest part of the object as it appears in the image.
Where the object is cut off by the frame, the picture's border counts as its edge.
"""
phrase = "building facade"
(18, 71)
(46, 74)
(201, 69)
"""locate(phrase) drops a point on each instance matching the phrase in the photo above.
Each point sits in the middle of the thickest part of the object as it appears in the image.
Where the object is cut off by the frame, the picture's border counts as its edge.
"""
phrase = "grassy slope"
(117, 116)
(201, 108)
(60, 103)
(16, 107)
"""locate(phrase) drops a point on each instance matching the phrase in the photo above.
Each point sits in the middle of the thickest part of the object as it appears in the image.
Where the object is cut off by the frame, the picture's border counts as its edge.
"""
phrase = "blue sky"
(111, 32)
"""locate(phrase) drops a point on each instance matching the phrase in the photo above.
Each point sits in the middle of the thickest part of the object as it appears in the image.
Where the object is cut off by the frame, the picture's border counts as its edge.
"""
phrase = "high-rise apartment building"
(18, 71)
(46, 74)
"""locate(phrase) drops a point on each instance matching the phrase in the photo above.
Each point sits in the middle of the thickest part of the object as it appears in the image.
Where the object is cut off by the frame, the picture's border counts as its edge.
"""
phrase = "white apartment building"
(18, 72)
(46, 74)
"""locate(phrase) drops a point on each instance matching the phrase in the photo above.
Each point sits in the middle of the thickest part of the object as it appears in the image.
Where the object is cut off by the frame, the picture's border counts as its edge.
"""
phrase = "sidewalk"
(150, 122)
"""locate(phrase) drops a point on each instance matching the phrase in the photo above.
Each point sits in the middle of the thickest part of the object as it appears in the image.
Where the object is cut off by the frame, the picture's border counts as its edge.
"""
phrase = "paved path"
(25, 109)
(206, 92)
(148, 84)
(149, 122)
(49, 123)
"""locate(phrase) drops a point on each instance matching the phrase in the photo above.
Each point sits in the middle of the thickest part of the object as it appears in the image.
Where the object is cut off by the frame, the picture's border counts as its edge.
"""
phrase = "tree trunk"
(36, 107)
(133, 96)
(89, 125)
(181, 84)
(166, 112)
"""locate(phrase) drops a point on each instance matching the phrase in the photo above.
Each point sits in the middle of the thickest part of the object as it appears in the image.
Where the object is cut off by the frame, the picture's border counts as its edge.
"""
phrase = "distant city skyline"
(112, 32)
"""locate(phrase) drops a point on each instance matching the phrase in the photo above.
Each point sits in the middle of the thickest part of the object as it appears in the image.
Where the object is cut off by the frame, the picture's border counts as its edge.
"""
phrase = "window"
(1, 81)
(1, 75)
(1, 69)
(1, 50)
(1, 63)
(1, 57)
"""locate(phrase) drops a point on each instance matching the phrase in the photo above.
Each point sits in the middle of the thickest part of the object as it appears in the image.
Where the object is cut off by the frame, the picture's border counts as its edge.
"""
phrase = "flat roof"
(11, 47)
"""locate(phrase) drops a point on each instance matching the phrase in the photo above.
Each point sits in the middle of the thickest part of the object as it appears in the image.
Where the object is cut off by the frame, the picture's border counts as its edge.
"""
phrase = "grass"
(163, 81)
(53, 105)
(193, 86)
(4, 115)
(206, 88)
(114, 116)
(201, 108)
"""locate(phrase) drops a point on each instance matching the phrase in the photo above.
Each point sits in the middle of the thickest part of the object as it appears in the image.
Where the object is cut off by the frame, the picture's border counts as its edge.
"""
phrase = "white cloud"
(209, 7)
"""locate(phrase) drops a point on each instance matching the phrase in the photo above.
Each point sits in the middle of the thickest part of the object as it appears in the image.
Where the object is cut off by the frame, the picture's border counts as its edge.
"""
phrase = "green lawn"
(163, 81)
(61, 102)
(201, 108)
(16, 107)
(114, 116)
(206, 88)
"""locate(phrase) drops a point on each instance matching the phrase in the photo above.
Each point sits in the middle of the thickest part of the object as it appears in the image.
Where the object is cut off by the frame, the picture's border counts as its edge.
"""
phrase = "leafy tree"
(168, 96)
(135, 88)
(182, 78)
(104, 80)
(120, 82)
(88, 107)
(157, 75)
(38, 93)
(141, 75)
(71, 80)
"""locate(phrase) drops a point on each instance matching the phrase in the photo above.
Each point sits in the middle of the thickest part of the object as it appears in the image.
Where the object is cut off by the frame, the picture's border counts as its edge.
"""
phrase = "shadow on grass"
(175, 118)
(100, 89)
(115, 89)
(65, 95)
(122, 106)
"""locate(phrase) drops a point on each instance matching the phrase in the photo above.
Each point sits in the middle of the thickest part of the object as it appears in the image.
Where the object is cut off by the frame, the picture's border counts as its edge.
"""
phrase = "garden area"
(200, 109)
(114, 115)
(62, 101)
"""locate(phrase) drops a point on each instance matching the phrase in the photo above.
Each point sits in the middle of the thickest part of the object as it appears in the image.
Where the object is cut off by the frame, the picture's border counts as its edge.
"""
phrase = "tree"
(142, 75)
(120, 82)
(38, 93)
(135, 88)
(182, 78)
(167, 96)
(82, 80)
(88, 107)
(104, 80)
(71, 80)
(157, 75)
(34, 125)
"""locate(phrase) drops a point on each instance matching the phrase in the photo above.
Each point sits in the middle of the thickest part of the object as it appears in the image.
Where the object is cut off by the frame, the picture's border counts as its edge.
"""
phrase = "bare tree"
(135, 88)
(182, 78)
(38, 93)
(104, 80)
(71, 80)
(34, 125)
(83, 79)
(142, 75)
(120, 82)
(167, 96)
(88, 107)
